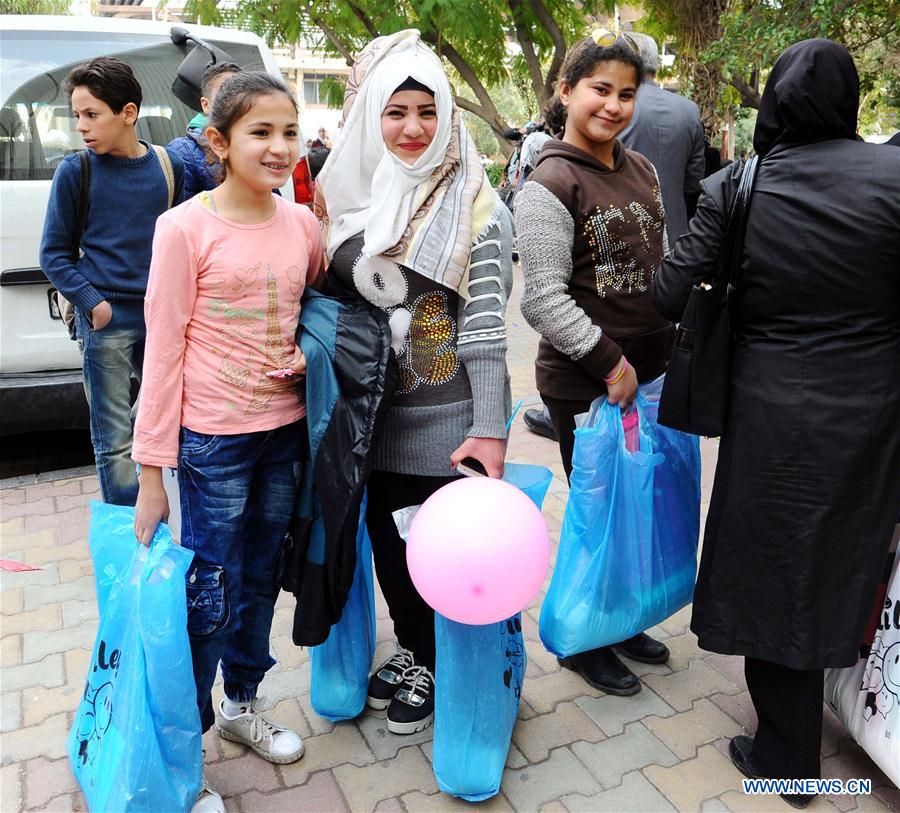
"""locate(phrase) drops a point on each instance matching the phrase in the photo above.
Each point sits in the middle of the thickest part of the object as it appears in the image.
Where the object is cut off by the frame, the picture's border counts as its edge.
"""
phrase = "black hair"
(581, 61)
(411, 84)
(108, 79)
(216, 70)
(512, 134)
(234, 100)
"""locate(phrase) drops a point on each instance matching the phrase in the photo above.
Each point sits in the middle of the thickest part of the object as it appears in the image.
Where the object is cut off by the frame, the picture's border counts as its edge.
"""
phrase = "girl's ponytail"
(555, 115)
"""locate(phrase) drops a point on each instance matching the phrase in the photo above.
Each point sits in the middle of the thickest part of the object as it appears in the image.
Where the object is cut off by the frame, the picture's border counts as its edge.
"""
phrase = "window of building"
(313, 93)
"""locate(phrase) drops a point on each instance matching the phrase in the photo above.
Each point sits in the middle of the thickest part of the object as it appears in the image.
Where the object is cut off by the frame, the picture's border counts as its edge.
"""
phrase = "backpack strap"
(165, 163)
(84, 201)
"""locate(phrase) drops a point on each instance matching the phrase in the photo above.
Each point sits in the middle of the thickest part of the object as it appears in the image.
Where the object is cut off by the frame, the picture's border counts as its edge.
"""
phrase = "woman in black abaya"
(807, 487)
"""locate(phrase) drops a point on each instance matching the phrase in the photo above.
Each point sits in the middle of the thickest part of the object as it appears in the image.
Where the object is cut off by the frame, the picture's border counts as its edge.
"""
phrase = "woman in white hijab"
(413, 226)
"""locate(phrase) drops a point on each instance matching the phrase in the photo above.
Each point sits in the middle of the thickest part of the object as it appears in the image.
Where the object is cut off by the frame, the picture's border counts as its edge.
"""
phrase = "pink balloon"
(478, 550)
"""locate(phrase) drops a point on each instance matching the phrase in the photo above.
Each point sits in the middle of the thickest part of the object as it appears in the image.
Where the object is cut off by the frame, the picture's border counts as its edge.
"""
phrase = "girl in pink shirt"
(223, 300)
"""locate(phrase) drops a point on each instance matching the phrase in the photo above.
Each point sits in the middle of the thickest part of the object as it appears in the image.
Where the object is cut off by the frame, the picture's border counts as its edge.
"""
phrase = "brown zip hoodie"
(591, 239)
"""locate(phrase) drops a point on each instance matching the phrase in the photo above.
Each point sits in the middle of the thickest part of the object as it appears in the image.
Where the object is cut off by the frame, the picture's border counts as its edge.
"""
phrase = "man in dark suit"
(666, 129)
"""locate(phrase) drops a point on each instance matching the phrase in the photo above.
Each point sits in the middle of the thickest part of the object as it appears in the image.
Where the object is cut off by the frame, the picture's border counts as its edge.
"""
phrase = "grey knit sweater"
(590, 238)
(450, 350)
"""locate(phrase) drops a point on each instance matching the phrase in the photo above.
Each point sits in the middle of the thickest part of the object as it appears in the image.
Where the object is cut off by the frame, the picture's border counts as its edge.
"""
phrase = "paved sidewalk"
(574, 749)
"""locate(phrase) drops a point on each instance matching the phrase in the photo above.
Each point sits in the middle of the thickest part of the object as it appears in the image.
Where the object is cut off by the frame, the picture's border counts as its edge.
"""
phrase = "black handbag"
(695, 393)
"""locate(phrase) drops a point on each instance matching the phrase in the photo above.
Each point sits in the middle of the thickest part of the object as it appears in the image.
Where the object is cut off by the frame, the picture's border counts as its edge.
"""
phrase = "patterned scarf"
(425, 216)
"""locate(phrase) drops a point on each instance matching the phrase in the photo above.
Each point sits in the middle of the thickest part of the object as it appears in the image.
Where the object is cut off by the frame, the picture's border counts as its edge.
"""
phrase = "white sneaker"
(272, 742)
(208, 801)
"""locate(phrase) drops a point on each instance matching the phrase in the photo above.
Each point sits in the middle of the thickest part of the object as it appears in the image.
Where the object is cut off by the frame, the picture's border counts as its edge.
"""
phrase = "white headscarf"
(368, 188)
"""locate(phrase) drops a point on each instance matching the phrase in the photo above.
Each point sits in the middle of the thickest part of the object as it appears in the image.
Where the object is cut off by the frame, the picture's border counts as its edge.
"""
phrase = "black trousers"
(413, 618)
(562, 417)
(788, 704)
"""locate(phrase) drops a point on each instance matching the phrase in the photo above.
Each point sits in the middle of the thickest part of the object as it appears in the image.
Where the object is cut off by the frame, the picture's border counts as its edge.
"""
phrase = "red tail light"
(304, 188)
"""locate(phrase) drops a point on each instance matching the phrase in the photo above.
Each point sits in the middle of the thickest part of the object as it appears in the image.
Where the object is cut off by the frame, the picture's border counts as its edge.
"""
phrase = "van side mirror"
(189, 77)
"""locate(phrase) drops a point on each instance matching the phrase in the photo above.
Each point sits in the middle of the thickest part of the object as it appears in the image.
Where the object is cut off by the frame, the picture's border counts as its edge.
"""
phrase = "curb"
(47, 477)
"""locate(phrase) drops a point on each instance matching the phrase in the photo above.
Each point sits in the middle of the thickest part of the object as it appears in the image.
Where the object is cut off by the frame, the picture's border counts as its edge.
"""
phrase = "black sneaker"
(384, 683)
(412, 708)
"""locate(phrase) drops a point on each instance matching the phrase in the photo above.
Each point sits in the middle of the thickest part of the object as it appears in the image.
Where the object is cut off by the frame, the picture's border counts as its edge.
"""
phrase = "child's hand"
(623, 392)
(298, 361)
(490, 452)
(101, 315)
(152, 505)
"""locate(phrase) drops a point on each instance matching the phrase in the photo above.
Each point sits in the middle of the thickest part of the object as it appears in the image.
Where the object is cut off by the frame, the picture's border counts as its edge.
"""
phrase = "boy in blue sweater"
(199, 175)
(128, 191)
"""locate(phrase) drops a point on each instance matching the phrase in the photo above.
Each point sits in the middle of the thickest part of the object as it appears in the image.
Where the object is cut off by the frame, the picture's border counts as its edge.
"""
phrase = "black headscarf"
(812, 95)
(411, 84)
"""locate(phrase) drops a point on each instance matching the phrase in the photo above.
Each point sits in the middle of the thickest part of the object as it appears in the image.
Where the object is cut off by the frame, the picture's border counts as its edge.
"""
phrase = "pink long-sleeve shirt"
(223, 300)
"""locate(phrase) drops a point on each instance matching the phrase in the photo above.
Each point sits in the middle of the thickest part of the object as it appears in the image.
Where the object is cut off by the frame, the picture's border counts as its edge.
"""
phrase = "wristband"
(618, 376)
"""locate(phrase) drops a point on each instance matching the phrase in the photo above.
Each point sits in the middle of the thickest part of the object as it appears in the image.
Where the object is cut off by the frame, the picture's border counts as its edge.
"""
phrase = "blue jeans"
(111, 358)
(237, 499)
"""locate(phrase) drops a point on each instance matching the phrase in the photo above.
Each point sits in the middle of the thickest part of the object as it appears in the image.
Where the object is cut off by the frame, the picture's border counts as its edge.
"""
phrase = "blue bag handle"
(604, 415)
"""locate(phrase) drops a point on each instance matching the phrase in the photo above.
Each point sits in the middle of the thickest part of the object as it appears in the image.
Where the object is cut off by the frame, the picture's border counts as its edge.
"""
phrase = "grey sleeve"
(662, 208)
(696, 165)
(481, 344)
(545, 234)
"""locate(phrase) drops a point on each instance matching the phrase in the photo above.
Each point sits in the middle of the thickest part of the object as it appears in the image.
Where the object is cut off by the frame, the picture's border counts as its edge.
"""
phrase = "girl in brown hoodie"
(591, 232)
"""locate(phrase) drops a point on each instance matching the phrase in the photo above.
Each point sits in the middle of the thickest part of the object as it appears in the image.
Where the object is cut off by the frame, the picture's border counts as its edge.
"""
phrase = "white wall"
(312, 118)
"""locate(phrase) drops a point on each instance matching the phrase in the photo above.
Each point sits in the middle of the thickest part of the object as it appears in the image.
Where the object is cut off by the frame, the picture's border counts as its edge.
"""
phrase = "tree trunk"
(706, 81)
(559, 42)
(484, 107)
(523, 37)
(698, 21)
(750, 95)
(497, 124)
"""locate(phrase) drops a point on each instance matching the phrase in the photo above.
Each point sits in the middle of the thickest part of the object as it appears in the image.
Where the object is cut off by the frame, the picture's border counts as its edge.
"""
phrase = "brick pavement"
(574, 749)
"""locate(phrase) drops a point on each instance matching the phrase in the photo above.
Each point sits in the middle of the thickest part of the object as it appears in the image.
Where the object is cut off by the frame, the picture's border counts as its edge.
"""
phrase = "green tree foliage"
(755, 32)
(495, 173)
(471, 35)
(725, 47)
(694, 26)
(34, 6)
(744, 125)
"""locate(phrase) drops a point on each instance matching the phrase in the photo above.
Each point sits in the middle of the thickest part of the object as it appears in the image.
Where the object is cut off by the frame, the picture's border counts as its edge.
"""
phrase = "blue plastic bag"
(339, 667)
(533, 480)
(627, 554)
(135, 742)
(479, 673)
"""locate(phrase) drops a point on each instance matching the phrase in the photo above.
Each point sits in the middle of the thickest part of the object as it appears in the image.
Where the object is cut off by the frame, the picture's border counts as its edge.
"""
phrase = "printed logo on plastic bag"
(97, 700)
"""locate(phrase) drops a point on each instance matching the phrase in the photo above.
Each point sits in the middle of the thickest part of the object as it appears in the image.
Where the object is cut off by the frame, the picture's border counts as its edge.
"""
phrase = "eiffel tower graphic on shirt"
(275, 358)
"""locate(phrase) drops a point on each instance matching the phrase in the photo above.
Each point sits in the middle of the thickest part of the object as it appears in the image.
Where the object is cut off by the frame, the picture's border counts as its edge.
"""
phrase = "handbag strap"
(728, 267)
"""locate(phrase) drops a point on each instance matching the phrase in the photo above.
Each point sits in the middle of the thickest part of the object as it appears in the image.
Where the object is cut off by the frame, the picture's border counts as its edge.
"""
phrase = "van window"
(37, 129)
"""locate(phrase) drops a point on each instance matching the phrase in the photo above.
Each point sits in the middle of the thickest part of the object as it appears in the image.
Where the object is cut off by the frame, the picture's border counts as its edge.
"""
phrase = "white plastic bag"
(866, 697)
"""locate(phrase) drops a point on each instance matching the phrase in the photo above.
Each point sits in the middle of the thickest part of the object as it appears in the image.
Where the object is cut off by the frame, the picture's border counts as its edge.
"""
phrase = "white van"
(40, 367)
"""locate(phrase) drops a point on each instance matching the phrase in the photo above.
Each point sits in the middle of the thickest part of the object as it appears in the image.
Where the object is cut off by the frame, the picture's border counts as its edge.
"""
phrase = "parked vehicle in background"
(40, 367)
